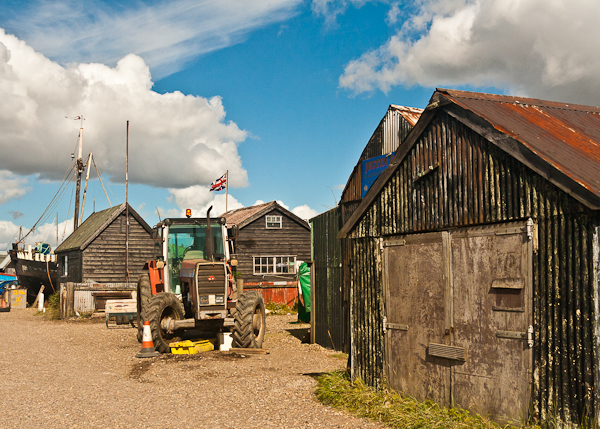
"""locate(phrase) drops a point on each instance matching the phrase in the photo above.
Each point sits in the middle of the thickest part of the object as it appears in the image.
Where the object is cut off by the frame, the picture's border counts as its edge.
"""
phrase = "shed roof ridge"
(515, 99)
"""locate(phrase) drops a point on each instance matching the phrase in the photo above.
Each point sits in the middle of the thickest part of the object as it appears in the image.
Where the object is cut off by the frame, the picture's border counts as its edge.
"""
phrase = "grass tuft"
(53, 307)
(278, 309)
(388, 407)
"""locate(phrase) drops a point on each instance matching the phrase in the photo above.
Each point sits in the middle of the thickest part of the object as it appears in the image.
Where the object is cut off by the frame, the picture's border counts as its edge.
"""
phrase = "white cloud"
(174, 141)
(9, 233)
(304, 212)
(199, 199)
(540, 48)
(166, 34)
(12, 187)
(331, 9)
(46, 233)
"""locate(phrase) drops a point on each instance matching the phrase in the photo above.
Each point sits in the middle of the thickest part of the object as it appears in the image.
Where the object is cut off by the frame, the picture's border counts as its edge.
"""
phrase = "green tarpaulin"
(304, 285)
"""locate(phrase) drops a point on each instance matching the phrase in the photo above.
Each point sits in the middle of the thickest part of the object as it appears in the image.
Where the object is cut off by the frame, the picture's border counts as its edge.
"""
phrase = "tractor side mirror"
(157, 234)
(232, 232)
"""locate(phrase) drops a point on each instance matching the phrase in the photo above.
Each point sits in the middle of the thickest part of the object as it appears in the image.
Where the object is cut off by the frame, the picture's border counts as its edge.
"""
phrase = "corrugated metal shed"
(479, 159)
(331, 256)
(565, 136)
(391, 131)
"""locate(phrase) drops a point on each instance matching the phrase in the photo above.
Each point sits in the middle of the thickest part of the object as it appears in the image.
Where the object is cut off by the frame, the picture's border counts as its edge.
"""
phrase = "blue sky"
(285, 94)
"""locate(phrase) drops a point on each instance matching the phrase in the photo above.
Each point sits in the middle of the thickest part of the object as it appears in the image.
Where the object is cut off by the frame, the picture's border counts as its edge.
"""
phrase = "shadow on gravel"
(302, 334)
(138, 369)
(314, 375)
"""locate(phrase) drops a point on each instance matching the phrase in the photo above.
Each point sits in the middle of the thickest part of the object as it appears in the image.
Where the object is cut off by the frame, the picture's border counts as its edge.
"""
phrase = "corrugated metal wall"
(331, 289)
(454, 177)
(330, 302)
(390, 132)
(366, 312)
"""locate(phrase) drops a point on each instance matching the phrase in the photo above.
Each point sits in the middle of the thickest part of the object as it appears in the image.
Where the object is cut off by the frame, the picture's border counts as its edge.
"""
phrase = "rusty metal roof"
(246, 215)
(559, 141)
(411, 114)
(564, 135)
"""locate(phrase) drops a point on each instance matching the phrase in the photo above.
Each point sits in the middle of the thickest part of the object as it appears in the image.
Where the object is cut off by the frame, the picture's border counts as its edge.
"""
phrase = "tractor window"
(189, 242)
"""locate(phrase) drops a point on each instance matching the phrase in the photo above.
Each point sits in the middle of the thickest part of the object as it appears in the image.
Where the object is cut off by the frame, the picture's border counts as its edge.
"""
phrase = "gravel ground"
(78, 374)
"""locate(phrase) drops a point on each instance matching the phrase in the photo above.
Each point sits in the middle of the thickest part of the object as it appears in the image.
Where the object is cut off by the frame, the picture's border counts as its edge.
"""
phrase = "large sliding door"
(458, 309)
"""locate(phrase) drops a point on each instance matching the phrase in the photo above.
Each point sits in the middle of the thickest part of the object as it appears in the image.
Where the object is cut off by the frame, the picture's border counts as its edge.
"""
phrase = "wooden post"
(240, 286)
(70, 299)
(61, 288)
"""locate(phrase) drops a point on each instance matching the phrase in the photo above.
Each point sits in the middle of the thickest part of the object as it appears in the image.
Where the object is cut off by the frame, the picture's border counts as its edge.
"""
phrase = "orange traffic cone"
(4, 307)
(147, 344)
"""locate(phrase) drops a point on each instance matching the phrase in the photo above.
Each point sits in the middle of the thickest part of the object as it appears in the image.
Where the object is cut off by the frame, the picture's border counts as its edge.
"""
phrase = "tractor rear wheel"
(249, 322)
(160, 307)
(144, 293)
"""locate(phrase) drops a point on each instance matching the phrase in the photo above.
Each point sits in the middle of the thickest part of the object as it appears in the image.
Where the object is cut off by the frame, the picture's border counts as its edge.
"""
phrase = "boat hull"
(33, 274)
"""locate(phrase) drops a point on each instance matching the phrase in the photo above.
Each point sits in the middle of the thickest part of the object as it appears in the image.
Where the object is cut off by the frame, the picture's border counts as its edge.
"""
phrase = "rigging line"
(52, 202)
(68, 211)
(100, 178)
(55, 201)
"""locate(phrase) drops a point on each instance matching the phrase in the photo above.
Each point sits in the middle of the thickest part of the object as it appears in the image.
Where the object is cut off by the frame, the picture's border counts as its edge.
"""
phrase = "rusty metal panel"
(277, 295)
(567, 136)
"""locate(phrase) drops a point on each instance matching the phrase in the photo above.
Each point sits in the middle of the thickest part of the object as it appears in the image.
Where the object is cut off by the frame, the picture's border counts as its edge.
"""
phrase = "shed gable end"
(452, 176)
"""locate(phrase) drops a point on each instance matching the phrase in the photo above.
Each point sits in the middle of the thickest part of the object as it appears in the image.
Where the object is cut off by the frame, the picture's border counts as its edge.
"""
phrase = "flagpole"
(226, 189)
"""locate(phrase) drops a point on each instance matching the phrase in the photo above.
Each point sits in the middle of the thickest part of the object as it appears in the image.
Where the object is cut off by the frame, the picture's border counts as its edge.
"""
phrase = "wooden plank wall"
(104, 260)
(73, 266)
(256, 240)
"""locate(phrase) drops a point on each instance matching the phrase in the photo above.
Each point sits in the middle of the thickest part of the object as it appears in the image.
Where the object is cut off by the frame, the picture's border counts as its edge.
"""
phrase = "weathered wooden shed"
(475, 260)
(96, 251)
(269, 242)
(331, 289)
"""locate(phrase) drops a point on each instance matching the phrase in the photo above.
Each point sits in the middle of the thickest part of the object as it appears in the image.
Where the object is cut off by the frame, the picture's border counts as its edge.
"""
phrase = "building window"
(274, 265)
(273, 222)
(65, 265)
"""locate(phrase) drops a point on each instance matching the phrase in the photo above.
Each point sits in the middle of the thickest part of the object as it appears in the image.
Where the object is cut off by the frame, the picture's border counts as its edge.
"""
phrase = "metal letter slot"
(447, 352)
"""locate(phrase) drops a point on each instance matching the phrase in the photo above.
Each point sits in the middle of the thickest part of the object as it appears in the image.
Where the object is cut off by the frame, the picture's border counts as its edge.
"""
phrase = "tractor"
(190, 285)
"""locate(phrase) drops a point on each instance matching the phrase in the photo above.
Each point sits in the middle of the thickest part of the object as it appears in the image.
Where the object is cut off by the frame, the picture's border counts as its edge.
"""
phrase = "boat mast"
(80, 168)
(87, 179)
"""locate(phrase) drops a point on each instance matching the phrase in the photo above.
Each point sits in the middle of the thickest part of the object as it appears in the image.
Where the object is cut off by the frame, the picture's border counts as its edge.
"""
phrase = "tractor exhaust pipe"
(210, 246)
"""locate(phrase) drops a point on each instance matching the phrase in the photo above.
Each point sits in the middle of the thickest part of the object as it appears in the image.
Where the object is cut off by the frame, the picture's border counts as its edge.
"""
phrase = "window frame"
(274, 265)
(274, 220)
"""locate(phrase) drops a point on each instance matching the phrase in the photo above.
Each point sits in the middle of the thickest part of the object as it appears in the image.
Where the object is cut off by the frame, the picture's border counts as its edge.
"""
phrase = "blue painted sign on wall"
(371, 169)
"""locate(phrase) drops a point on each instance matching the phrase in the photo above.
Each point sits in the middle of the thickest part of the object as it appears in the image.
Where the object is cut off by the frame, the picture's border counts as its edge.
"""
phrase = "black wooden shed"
(475, 260)
(96, 251)
(270, 240)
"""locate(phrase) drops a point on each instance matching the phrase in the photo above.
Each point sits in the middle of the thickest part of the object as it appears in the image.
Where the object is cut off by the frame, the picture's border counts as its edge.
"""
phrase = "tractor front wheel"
(249, 323)
(160, 307)
(144, 293)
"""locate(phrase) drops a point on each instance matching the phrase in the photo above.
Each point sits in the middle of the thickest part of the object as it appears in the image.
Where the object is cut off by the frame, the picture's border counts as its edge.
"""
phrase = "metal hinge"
(391, 243)
(508, 231)
(512, 335)
(394, 326)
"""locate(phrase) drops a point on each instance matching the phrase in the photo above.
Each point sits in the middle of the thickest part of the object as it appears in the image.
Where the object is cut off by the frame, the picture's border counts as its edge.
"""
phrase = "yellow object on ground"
(188, 347)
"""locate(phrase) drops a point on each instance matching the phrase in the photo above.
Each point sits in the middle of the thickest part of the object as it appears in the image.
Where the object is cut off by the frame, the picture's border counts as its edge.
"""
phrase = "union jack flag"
(219, 184)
